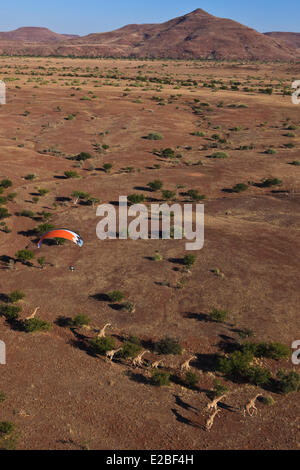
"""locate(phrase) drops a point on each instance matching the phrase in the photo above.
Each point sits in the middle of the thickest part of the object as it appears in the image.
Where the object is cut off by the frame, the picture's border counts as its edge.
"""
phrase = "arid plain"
(234, 135)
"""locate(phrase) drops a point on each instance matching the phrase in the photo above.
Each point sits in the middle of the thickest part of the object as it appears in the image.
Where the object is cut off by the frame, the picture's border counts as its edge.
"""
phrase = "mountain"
(288, 39)
(197, 35)
(33, 34)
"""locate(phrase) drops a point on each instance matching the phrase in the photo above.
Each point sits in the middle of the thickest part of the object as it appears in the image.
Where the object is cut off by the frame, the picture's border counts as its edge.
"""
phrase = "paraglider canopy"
(62, 233)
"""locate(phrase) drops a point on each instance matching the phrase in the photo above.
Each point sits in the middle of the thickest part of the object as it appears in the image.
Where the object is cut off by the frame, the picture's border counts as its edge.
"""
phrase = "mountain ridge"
(196, 35)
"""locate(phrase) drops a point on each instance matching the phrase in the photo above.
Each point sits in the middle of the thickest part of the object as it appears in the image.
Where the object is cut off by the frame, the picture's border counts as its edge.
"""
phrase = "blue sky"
(87, 16)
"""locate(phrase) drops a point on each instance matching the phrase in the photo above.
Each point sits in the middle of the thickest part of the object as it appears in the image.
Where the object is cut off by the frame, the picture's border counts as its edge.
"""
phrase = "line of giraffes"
(249, 408)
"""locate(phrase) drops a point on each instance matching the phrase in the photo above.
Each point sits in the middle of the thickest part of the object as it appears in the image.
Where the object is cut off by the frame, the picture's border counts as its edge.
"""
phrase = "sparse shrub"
(155, 185)
(79, 321)
(258, 376)
(219, 155)
(116, 296)
(168, 346)
(24, 256)
(240, 187)
(237, 366)
(268, 182)
(270, 151)
(43, 191)
(268, 401)
(168, 195)
(33, 325)
(157, 256)
(107, 167)
(10, 312)
(42, 261)
(130, 350)
(6, 183)
(30, 177)
(128, 307)
(2, 397)
(218, 316)
(160, 379)
(191, 379)
(6, 427)
(274, 351)
(246, 333)
(288, 382)
(189, 260)
(71, 174)
(194, 195)
(82, 156)
(15, 296)
(44, 228)
(26, 213)
(219, 389)
(154, 136)
(102, 345)
(4, 214)
(136, 198)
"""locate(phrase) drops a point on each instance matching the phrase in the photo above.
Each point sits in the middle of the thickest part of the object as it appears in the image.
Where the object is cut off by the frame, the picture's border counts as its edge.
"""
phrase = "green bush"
(102, 345)
(6, 427)
(270, 151)
(238, 367)
(4, 214)
(71, 174)
(2, 397)
(258, 376)
(6, 183)
(160, 379)
(33, 325)
(218, 316)
(115, 296)
(15, 296)
(219, 389)
(154, 136)
(155, 185)
(189, 260)
(26, 213)
(168, 346)
(168, 195)
(79, 321)
(130, 350)
(268, 182)
(219, 155)
(194, 195)
(10, 312)
(128, 307)
(107, 167)
(83, 156)
(240, 187)
(274, 351)
(269, 401)
(44, 228)
(191, 379)
(136, 198)
(288, 382)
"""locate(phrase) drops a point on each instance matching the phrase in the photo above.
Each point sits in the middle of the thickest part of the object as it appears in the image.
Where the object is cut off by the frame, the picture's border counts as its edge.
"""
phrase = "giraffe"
(250, 407)
(33, 314)
(210, 421)
(213, 405)
(186, 365)
(155, 364)
(110, 354)
(101, 334)
(138, 360)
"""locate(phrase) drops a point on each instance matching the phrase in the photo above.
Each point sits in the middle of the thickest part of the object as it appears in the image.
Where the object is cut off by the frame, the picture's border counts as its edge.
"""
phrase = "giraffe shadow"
(182, 419)
(138, 378)
(183, 404)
